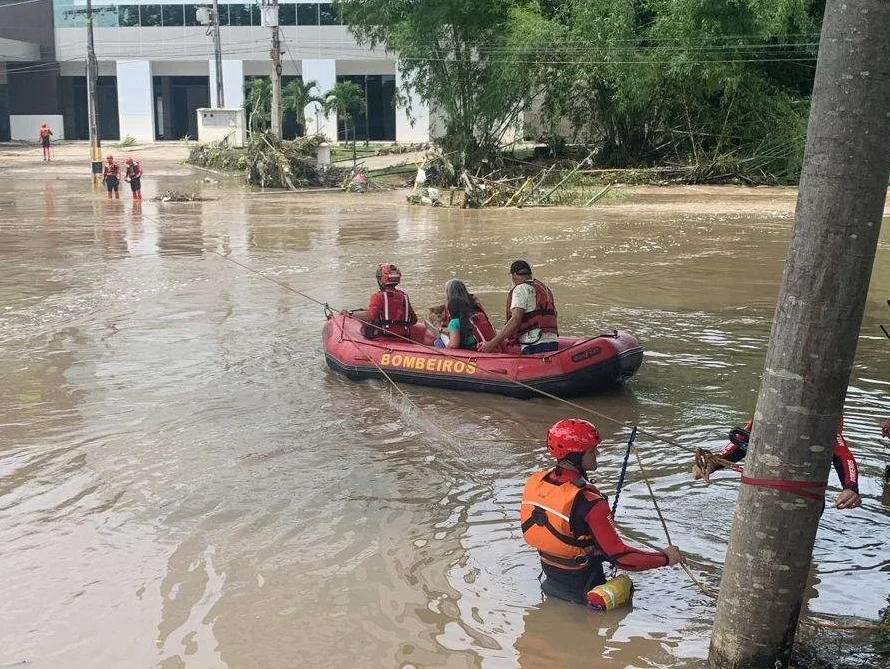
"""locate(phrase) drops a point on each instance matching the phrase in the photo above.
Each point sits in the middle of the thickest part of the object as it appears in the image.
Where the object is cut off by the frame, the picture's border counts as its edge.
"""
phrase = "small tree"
(296, 96)
(258, 102)
(348, 99)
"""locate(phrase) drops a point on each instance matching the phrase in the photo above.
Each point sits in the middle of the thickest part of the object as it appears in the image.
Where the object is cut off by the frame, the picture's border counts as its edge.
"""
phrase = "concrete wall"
(27, 127)
(192, 43)
(134, 99)
(324, 73)
(413, 120)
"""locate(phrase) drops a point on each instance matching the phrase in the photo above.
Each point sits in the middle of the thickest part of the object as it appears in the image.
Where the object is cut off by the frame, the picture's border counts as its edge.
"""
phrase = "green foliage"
(258, 102)
(722, 85)
(476, 63)
(127, 140)
(346, 98)
(296, 95)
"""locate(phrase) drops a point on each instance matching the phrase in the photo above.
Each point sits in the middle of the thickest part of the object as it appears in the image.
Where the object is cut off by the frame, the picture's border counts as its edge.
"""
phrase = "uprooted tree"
(476, 63)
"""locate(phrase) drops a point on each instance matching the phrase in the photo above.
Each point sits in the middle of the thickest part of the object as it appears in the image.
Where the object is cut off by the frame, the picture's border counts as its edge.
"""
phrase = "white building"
(156, 68)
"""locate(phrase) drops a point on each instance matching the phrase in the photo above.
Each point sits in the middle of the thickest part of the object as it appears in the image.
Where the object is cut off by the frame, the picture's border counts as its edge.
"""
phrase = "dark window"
(190, 17)
(128, 16)
(256, 17)
(239, 15)
(307, 14)
(327, 15)
(173, 15)
(287, 15)
(223, 15)
(150, 15)
(105, 17)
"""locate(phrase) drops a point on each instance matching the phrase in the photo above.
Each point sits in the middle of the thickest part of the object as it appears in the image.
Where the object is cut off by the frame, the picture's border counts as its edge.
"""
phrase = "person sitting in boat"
(389, 310)
(568, 520)
(530, 314)
(468, 325)
(843, 461)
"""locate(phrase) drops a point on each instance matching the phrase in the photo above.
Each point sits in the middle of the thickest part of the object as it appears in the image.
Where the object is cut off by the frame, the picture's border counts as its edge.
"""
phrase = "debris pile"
(558, 183)
(178, 196)
(271, 162)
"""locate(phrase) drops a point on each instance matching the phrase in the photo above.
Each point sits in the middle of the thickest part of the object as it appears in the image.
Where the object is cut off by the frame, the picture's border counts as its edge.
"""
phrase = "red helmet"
(572, 435)
(388, 275)
(109, 158)
(129, 161)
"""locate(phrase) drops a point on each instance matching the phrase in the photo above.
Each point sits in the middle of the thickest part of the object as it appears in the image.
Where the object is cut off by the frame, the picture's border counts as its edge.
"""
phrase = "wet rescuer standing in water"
(569, 522)
(531, 314)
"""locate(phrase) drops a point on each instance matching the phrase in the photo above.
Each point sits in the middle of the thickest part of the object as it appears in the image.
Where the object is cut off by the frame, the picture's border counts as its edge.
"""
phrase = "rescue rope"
(699, 452)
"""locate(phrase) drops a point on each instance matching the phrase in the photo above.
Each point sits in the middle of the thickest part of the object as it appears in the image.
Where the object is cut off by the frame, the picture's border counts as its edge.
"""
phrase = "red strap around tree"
(810, 489)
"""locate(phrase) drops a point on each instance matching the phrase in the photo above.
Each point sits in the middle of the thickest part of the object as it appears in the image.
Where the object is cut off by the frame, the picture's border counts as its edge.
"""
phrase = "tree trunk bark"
(813, 341)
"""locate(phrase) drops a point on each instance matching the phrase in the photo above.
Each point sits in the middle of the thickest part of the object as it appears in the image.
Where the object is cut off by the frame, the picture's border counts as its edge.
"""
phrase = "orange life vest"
(546, 514)
(45, 132)
(544, 314)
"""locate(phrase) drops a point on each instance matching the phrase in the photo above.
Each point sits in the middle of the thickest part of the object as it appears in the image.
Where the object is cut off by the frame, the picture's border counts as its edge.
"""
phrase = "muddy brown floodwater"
(184, 483)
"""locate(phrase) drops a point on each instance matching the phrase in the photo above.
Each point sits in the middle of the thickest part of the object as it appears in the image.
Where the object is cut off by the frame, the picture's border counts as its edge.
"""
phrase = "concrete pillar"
(134, 100)
(324, 72)
(233, 83)
(413, 120)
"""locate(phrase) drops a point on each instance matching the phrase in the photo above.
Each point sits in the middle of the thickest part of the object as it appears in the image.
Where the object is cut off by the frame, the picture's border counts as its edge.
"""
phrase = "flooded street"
(185, 484)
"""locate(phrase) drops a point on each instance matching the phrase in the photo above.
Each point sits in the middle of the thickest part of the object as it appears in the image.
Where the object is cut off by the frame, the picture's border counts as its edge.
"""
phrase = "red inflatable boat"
(580, 366)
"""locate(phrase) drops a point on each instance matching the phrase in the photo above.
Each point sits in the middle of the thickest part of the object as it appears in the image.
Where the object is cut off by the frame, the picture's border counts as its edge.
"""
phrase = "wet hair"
(461, 305)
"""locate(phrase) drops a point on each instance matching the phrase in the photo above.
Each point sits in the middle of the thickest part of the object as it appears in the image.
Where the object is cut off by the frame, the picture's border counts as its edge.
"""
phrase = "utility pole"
(92, 76)
(840, 202)
(217, 55)
(270, 18)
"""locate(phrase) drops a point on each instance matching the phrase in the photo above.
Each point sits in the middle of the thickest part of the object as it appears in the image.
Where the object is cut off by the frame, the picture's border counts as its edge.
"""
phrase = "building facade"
(28, 72)
(156, 67)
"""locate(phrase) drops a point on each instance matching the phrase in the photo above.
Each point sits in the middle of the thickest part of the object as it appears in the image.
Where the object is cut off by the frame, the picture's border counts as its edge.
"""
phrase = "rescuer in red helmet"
(569, 522)
(843, 460)
(389, 309)
(133, 175)
(111, 177)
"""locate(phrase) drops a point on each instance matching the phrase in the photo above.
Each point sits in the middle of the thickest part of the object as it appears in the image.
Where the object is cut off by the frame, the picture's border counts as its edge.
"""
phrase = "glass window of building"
(105, 16)
(150, 15)
(256, 17)
(327, 15)
(224, 15)
(287, 15)
(172, 15)
(190, 17)
(128, 16)
(239, 15)
(307, 14)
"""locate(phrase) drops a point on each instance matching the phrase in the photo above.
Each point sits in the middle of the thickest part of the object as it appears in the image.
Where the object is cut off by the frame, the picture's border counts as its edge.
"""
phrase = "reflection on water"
(184, 483)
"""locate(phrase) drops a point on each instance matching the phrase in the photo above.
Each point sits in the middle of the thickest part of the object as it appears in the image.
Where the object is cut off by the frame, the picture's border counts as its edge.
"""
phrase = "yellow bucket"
(610, 595)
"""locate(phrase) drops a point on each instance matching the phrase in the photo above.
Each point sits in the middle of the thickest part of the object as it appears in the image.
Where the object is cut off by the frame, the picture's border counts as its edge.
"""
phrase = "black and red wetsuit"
(843, 460)
(590, 524)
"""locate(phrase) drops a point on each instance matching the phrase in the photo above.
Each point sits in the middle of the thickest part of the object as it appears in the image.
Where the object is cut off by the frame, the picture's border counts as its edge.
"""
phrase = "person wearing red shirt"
(843, 461)
(389, 310)
(44, 135)
(568, 520)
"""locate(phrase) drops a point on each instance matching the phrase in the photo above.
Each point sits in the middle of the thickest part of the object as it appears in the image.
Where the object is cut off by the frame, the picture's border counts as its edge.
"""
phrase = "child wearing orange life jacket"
(111, 177)
(133, 175)
(44, 135)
